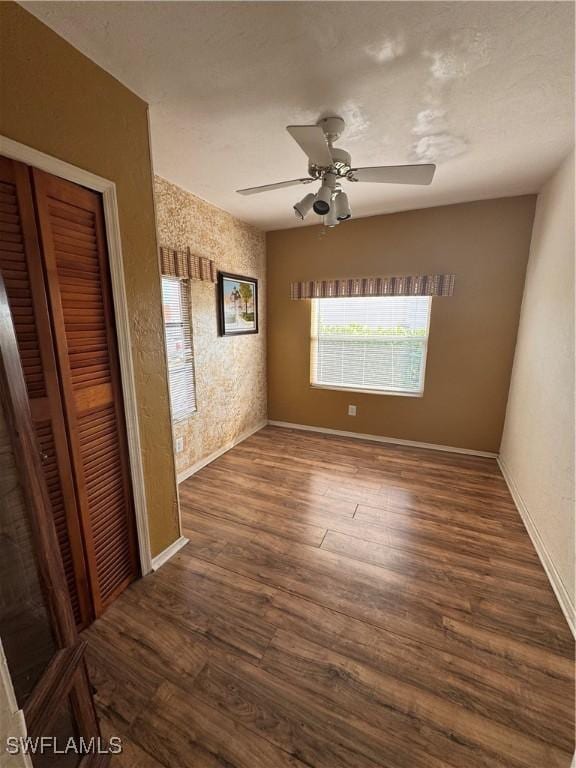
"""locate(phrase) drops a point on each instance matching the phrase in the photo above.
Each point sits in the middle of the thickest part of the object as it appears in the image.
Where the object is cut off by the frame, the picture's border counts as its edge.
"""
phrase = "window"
(375, 344)
(178, 331)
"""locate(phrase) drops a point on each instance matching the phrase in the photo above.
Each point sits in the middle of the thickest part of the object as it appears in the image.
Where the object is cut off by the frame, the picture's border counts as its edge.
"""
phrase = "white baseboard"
(554, 578)
(380, 439)
(191, 470)
(169, 552)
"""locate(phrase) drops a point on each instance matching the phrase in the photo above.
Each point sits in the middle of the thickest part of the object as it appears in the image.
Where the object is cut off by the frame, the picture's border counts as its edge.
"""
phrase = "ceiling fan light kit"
(342, 206)
(303, 208)
(324, 195)
(331, 165)
(330, 219)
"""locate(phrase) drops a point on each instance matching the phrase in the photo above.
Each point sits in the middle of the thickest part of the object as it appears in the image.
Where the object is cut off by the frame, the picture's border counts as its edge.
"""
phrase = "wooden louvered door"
(73, 244)
(44, 655)
(21, 267)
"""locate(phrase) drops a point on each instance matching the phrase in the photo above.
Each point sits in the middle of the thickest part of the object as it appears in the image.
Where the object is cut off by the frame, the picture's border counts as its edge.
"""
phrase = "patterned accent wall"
(230, 372)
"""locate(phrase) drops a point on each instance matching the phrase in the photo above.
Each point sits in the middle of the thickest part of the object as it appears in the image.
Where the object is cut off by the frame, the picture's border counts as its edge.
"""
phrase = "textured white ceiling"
(483, 89)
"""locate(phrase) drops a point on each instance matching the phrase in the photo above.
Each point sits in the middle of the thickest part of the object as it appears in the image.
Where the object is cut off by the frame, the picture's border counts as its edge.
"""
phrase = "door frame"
(22, 153)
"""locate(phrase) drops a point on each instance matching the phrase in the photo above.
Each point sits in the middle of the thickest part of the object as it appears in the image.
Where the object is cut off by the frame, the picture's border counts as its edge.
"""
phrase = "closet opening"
(55, 264)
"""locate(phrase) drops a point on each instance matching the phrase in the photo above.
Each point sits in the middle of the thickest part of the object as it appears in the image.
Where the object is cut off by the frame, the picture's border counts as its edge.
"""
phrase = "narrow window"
(179, 350)
(375, 344)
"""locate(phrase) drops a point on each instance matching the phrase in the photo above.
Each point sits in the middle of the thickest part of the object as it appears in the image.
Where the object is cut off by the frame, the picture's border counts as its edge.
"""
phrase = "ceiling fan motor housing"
(342, 161)
(341, 165)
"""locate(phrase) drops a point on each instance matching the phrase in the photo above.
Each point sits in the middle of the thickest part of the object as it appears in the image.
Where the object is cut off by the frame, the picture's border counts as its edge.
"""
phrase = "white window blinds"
(178, 332)
(376, 344)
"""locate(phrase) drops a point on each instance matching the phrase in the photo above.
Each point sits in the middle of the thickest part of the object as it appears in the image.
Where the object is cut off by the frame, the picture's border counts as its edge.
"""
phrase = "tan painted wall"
(538, 441)
(230, 372)
(472, 334)
(54, 99)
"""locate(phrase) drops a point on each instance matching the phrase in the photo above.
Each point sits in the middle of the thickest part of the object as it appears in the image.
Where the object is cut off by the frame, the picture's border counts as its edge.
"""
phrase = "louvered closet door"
(74, 250)
(21, 268)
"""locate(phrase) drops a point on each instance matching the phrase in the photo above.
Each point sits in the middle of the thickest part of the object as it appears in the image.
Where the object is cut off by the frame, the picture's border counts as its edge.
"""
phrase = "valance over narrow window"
(411, 285)
(182, 263)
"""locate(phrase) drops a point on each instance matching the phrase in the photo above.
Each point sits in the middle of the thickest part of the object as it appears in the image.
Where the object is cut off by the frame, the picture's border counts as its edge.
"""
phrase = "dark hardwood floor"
(341, 604)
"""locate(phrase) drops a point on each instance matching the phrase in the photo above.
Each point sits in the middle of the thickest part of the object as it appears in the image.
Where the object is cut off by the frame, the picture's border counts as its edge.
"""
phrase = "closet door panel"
(74, 251)
(21, 267)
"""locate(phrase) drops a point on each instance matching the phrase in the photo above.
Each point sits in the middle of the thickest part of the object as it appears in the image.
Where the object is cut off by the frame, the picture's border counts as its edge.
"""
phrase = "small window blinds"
(178, 332)
(376, 344)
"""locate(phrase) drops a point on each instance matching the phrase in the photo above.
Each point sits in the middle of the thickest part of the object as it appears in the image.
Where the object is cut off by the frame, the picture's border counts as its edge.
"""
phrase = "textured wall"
(54, 99)
(230, 372)
(472, 334)
(538, 441)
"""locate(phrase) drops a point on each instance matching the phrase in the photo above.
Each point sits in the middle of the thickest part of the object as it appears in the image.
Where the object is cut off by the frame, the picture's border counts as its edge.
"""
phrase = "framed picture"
(238, 304)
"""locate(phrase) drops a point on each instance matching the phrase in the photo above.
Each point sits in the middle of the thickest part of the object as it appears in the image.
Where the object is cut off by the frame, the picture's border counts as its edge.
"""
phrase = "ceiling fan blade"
(312, 140)
(395, 174)
(269, 187)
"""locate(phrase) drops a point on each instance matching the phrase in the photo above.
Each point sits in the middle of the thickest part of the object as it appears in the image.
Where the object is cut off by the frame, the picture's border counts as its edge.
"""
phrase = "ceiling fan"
(331, 166)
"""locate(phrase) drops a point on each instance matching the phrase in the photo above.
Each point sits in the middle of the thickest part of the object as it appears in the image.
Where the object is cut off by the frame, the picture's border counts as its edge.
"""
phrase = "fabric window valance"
(411, 285)
(182, 263)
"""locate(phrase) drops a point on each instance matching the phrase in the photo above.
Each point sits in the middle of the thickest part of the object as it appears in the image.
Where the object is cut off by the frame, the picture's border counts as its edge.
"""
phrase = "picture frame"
(237, 304)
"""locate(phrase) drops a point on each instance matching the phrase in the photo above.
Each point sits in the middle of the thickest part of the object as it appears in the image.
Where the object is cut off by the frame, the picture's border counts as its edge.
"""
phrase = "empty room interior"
(287, 361)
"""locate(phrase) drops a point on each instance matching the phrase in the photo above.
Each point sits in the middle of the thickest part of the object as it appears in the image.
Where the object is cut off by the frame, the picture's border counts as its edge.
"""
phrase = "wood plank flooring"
(340, 604)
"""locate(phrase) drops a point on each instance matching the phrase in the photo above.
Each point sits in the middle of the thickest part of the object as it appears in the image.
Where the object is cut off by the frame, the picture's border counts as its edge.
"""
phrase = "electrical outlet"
(351, 410)
(179, 444)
